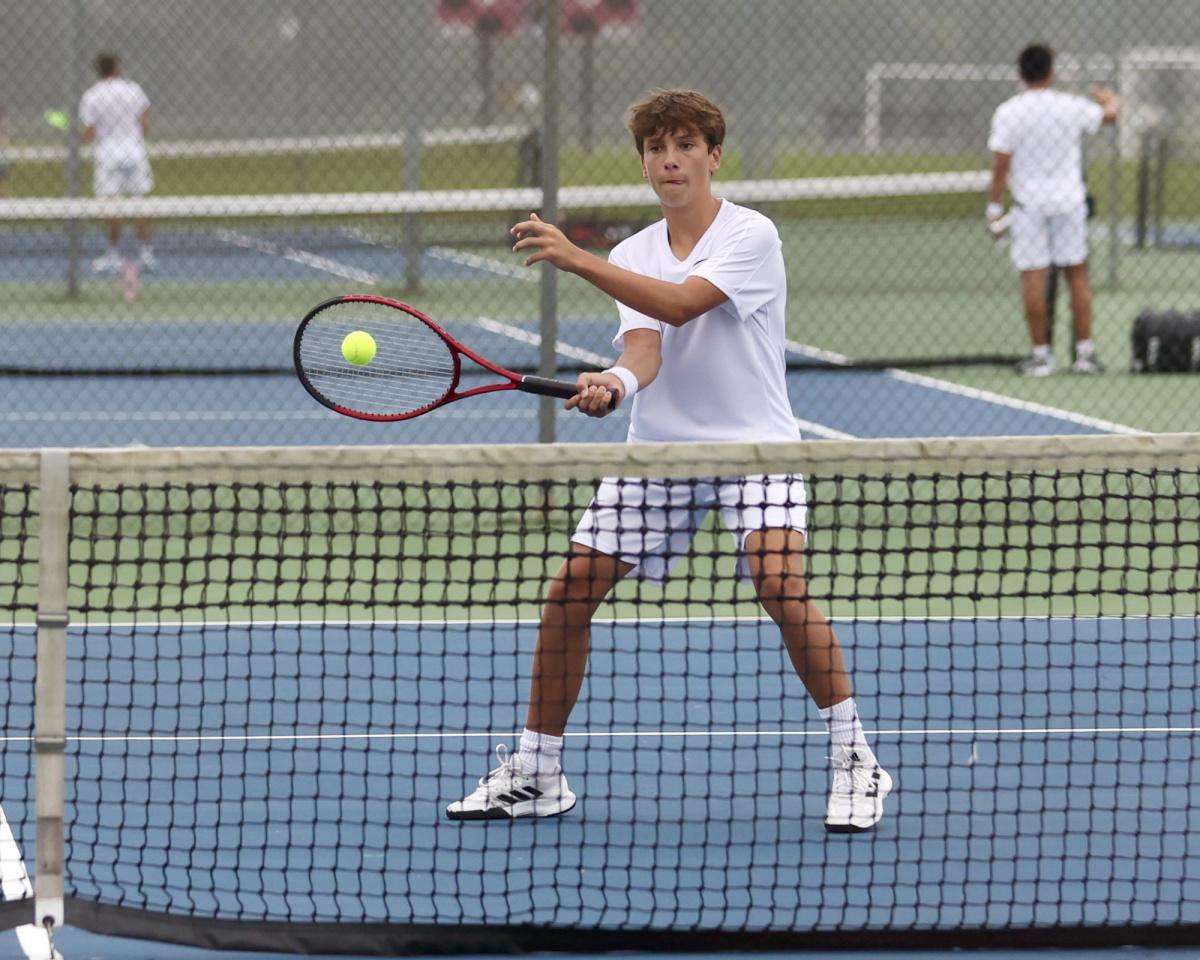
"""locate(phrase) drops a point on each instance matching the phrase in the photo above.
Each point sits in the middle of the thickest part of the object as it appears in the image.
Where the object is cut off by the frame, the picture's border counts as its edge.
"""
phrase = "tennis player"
(115, 114)
(701, 296)
(1035, 139)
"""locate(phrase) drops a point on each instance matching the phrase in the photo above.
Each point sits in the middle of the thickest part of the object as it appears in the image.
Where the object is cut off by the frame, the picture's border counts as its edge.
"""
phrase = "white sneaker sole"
(541, 807)
(859, 822)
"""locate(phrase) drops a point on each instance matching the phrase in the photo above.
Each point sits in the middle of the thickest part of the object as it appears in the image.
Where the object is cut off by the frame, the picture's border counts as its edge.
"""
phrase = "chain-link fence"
(300, 150)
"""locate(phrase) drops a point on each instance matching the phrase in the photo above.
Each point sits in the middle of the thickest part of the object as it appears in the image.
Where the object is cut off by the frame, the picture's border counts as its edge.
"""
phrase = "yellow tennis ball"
(359, 348)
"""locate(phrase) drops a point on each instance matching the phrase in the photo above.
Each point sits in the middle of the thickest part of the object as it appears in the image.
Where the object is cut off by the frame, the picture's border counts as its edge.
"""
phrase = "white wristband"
(626, 376)
(995, 211)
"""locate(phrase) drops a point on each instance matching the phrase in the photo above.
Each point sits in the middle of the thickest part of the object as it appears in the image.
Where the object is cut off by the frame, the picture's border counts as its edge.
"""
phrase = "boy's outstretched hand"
(547, 243)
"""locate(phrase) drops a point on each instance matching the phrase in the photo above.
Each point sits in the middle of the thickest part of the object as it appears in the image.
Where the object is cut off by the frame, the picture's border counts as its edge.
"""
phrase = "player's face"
(679, 166)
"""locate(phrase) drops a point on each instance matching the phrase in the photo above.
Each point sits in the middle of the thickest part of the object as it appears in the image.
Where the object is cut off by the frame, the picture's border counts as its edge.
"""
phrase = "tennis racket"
(416, 367)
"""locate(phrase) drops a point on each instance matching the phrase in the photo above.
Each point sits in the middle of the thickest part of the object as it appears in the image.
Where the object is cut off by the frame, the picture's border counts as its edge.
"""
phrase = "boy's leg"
(775, 557)
(776, 561)
(560, 659)
(531, 783)
(1033, 299)
(1081, 300)
(1086, 360)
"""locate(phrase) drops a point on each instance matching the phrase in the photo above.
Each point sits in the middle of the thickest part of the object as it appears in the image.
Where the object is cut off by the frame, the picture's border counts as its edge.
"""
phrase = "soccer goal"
(1160, 93)
(947, 106)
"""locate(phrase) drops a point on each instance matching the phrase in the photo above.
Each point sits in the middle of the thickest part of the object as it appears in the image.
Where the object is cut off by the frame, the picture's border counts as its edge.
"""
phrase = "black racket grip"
(554, 388)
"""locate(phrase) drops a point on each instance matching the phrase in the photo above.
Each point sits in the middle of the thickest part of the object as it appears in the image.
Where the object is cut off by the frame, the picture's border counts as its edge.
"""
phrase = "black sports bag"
(1166, 342)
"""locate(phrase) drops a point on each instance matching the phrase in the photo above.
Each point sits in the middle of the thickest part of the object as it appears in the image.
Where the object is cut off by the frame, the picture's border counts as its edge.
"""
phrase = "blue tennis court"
(1044, 771)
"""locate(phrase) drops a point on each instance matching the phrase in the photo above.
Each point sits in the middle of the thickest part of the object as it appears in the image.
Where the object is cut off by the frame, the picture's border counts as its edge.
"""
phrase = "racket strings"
(412, 368)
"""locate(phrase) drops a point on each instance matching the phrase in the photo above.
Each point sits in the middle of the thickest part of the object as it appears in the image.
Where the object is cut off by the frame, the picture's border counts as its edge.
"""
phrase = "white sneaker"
(147, 259)
(109, 263)
(509, 792)
(856, 796)
(1034, 366)
(1087, 365)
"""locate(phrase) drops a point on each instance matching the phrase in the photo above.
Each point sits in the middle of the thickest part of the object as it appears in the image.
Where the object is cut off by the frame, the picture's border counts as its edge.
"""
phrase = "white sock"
(845, 729)
(539, 752)
(1084, 348)
(147, 250)
(1041, 351)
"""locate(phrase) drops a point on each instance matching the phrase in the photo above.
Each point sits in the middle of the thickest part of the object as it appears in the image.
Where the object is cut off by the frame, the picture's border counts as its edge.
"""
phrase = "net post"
(50, 711)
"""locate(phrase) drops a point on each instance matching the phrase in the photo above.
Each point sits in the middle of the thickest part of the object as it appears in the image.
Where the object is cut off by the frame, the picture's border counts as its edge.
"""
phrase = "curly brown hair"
(665, 111)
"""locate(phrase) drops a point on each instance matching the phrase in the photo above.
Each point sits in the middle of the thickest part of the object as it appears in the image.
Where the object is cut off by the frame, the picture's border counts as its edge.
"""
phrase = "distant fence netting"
(313, 111)
(259, 259)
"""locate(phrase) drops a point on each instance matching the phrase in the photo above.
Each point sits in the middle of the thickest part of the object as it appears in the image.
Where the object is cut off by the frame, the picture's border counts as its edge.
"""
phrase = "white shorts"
(1042, 239)
(650, 523)
(126, 178)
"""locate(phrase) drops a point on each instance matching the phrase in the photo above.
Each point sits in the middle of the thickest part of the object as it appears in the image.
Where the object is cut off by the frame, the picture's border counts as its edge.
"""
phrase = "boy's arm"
(672, 303)
(1109, 102)
(995, 205)
(640, 361)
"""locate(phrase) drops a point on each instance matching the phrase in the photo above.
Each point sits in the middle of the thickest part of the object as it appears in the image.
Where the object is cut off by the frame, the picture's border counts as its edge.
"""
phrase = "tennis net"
(890, 269)
(282, 665)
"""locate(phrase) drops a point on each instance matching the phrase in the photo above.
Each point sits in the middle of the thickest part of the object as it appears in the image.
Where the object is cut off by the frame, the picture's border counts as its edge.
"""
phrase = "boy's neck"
(686, 225)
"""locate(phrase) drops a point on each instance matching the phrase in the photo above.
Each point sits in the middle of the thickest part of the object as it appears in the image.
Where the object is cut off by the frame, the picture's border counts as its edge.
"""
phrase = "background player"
(115, 113)
(1036, 138)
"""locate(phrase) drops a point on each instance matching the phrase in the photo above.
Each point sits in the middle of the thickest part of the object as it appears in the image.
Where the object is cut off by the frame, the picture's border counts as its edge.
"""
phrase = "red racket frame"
(515, 381)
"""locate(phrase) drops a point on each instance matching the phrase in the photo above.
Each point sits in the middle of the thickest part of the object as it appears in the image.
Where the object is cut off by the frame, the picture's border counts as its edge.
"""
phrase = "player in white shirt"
(1036, 139)
(702, 297)
(115, 114)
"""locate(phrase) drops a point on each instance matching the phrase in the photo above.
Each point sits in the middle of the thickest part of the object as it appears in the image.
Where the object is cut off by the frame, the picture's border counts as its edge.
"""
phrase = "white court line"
(450, 255)
(486, 264)
(972, 393)
(781, 733)
(822, 431)
(561, 347)
(16, 885)
(309, 259)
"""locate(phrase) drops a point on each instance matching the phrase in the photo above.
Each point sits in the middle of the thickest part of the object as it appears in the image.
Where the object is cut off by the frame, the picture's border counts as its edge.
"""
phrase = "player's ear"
(714, 158)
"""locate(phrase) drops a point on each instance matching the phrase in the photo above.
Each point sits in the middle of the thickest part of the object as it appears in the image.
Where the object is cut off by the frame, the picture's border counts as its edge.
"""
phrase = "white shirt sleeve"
(630, 319)
(1000, 138)
(141, 101)
(735, 268)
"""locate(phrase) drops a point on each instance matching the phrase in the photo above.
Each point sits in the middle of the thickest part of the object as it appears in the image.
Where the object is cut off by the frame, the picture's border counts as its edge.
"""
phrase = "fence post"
(548, 361)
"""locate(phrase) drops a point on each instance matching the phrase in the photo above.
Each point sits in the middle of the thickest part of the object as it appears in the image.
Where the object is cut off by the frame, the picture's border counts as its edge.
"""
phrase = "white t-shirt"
(723, 373)
(114, 107)
(1042, 131)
